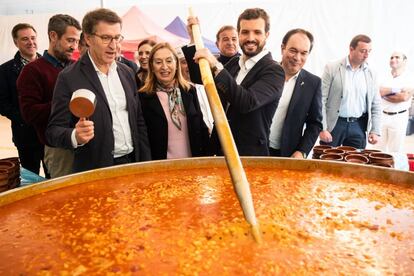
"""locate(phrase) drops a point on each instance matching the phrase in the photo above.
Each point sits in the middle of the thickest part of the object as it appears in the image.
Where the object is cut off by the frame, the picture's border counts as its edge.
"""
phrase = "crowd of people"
(158, 109)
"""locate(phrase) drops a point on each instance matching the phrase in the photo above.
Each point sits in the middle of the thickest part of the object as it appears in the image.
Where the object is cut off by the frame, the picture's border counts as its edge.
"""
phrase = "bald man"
(396, 92)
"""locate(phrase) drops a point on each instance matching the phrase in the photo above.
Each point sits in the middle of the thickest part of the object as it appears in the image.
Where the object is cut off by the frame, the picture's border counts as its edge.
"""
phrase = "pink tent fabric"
(137, 26)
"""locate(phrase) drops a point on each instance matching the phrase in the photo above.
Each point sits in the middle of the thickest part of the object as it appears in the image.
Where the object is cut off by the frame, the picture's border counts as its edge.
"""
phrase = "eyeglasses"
(107, 39)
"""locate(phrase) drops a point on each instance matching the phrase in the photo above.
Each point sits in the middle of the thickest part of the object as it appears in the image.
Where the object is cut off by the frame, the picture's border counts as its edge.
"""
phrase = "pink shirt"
(178, 141)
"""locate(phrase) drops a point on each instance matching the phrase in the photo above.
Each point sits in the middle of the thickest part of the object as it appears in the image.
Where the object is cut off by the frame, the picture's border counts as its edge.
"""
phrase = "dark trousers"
(31, 157)
(274, 152)
(125, 159)
(349, 133)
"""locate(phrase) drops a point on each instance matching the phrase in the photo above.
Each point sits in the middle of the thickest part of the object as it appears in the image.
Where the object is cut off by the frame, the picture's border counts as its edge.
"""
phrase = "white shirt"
(354, 102)
(204, 106)
(115, 96)
(246, 66)
(281, 111)
(404, 80)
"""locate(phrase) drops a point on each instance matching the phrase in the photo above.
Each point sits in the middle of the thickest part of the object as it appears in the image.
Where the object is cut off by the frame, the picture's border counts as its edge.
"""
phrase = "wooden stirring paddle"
(237, 173)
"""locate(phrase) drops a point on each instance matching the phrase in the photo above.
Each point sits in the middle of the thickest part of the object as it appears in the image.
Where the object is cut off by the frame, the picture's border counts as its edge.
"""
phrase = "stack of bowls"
(381, 159)
(4, 181)
(367, 156)
(318, 150)
(9, 173)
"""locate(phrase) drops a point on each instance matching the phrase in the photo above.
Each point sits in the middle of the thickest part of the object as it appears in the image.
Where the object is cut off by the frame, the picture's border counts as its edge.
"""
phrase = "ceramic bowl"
(347, 148)
(369, 151)
(334, 151)
(331, 157)
(356, 158)
(382, 158)
(318, 150)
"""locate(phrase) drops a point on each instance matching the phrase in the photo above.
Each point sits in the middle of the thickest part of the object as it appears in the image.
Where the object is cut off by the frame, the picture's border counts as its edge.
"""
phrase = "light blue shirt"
(354, 101)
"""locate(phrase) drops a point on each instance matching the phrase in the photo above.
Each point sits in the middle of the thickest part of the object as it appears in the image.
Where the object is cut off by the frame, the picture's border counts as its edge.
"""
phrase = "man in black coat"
(124, 60)
(116, 132)
(227, 41)
(30, 150)
(301, 102)
(249, 86)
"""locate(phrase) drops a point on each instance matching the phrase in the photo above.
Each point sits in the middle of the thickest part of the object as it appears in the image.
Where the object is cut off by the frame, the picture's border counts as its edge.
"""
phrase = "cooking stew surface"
(189, 221)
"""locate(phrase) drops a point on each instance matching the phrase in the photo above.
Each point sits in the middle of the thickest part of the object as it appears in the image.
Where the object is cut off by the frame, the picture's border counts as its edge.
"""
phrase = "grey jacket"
(333, 82)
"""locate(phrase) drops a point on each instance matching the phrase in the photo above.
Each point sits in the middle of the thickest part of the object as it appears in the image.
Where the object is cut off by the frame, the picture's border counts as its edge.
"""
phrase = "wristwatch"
(217, 68)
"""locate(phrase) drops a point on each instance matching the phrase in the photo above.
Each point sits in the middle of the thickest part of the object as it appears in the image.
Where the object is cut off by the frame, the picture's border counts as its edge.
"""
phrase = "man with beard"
(36, 83)
(396, 92)
(115, 133)
(24, 136)
(249, 86)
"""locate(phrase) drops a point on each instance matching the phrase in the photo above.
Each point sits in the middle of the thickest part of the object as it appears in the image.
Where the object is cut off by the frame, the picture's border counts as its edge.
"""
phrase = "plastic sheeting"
(178, 27)
(333, 24)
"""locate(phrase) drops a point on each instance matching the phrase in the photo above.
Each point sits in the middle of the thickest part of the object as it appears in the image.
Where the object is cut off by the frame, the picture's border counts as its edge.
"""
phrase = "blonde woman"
(171, 109)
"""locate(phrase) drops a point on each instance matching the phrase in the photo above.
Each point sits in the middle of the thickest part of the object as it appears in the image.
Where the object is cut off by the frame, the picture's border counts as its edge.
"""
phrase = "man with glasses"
(36, 83)
(351, 103)
(115, 133)
(396, 92)
(301, 101)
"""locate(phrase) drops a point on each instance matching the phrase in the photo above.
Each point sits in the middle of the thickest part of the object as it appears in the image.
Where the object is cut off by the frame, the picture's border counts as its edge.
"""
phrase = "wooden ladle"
(82, 103)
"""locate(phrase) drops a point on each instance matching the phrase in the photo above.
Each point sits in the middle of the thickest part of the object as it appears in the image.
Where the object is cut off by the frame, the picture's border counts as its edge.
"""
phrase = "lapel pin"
(302, 83)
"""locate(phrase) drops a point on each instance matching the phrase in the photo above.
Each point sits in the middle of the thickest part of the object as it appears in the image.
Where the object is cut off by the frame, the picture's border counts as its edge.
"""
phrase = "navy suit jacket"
(305, 109)
(158, 126)
(252, 104)
(129, 63)
(98, 152)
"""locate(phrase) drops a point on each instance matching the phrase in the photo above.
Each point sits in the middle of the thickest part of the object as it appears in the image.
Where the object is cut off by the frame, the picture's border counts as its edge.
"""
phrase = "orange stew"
(189, 222)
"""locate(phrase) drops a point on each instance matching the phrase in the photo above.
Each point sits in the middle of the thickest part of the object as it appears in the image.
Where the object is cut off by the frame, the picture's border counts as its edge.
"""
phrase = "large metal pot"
(357, 241)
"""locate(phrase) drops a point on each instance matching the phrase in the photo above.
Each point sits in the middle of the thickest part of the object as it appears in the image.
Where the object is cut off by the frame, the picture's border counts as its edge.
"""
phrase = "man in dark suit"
(116, 132)
(249, 86)
(30, 150)
(227, 41)
(301, 101)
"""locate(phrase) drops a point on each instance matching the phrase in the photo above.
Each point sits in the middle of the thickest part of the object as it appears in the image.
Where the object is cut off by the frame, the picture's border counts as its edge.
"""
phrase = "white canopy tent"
(333, 23)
